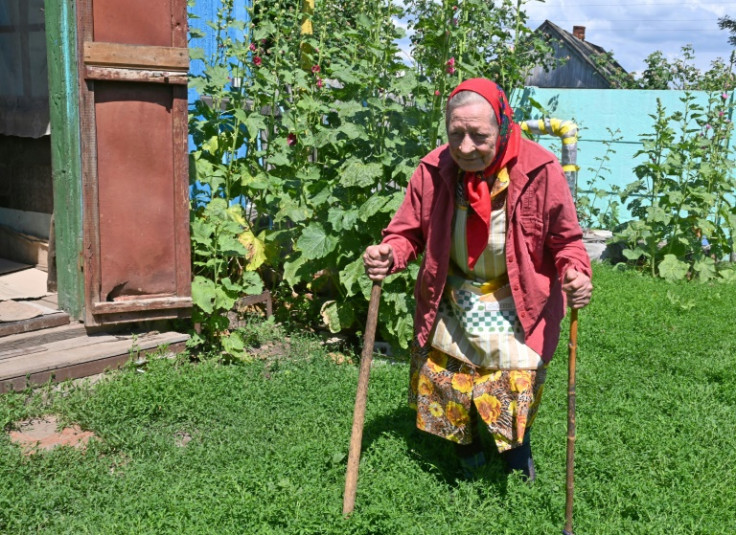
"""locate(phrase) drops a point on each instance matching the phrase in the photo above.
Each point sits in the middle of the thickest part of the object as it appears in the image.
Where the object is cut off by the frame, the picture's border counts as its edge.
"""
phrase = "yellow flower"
(512, 408)
(520, 380)
(437, 362)
(462, 383)
(436, 409)
(495, 376)
(488, 407)
(425, 387)
(457, 414)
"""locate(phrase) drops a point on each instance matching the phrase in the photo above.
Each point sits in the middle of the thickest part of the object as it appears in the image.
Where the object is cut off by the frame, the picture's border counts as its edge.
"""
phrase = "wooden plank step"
(34, 324)
(80, 357)
(39, 338)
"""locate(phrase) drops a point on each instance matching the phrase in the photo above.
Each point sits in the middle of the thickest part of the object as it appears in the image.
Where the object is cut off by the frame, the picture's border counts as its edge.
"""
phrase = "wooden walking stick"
(351, 478)
(570, 469)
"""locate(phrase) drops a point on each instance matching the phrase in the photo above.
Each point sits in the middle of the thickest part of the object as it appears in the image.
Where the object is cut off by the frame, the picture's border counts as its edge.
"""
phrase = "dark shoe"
(520, 458)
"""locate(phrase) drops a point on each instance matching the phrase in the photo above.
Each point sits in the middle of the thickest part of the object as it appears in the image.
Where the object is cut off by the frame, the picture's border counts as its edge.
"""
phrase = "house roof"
(594, 55)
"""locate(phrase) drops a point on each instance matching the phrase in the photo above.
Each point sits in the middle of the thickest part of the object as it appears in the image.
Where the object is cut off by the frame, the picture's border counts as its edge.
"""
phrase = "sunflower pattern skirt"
(444, 389)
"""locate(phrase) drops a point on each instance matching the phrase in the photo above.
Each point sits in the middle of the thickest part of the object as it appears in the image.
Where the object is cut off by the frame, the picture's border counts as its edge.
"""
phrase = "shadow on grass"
(435, 455)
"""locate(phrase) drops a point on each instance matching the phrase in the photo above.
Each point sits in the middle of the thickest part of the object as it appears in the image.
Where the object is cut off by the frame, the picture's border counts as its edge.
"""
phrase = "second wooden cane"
(570, 468)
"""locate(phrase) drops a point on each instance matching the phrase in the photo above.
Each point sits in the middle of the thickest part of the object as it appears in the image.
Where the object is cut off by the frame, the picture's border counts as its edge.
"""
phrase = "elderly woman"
(503, 251)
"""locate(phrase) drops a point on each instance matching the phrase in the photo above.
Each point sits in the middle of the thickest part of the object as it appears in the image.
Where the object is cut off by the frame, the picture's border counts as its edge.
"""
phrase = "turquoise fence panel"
(625, 112)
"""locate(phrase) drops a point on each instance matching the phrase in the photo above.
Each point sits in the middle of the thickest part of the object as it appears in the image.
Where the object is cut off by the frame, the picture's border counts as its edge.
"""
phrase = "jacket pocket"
(532, 228)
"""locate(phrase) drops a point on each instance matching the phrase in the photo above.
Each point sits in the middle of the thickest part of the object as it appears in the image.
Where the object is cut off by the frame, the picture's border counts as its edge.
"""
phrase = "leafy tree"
(728, 23)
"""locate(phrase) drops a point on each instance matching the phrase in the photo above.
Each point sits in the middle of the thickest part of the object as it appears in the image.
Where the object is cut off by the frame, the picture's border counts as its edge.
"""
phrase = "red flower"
(436, 92)
(252, 47)
(450, 66)
(257, 61)
(319, 83)
(315, 69)
(291, 139)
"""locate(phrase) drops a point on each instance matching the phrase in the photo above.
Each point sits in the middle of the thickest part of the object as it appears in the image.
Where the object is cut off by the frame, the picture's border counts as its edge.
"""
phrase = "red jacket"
(544, 240)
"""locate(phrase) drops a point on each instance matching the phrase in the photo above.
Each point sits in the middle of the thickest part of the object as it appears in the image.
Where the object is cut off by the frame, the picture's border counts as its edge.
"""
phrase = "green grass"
(656, 446)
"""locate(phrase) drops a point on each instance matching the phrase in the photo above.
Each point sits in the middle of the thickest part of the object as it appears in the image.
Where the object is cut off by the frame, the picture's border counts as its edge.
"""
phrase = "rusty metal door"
(133, 62)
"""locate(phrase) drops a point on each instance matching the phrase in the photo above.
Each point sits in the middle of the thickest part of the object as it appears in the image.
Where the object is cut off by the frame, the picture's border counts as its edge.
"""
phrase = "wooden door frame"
(66, 159)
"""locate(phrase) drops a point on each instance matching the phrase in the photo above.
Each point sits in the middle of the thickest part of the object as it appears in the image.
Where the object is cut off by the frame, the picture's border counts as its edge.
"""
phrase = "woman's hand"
(377, 260)
(578, 288)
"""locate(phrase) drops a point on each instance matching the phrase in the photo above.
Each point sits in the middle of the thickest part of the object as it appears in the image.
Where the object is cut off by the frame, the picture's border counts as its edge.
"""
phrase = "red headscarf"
(476, 184)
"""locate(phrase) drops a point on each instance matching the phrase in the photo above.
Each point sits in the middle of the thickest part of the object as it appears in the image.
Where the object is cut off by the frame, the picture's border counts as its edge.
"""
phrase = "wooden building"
(93, 166)
(580, 64)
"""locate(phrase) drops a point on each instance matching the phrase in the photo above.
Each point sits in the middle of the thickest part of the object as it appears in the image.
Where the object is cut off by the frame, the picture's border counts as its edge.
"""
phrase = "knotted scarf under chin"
(478, 195)
(477, 190)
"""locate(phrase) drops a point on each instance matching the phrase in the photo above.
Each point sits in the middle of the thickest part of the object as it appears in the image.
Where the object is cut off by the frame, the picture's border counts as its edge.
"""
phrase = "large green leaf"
(341, 219)
(672, 269)
(251, 283)
(202, 231)
(357, 173)
(292, 210)
(371, 207)
(315, 242)
(351, 275)
(203, 294)
(706, 269)
(352, 131)
(292, 268)
(337, 316)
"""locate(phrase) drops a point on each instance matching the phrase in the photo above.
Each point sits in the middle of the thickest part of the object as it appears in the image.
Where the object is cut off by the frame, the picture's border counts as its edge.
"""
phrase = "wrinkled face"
(472, 131)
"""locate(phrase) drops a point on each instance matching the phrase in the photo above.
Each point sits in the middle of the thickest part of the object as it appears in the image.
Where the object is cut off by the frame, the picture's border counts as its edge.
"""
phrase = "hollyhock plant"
(257, 61)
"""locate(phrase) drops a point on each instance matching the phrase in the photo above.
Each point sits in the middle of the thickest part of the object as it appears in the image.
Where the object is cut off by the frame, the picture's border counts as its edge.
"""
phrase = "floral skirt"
(444, 391)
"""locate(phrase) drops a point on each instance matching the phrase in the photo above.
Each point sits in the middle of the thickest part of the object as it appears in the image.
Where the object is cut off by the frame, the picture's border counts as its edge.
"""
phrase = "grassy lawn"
(262, 448)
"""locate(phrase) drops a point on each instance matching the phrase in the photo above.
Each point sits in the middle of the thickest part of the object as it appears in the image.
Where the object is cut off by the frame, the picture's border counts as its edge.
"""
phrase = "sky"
(633, 29)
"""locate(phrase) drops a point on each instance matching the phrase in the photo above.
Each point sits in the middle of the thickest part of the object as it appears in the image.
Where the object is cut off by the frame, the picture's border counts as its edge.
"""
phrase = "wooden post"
(61, 45)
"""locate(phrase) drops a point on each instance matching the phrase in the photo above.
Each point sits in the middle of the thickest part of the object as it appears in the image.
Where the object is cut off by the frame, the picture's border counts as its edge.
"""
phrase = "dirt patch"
(270, 350)
(43, 434)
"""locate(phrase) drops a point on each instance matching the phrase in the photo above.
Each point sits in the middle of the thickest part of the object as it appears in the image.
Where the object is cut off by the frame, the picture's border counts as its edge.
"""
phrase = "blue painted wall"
(595, 110)
(200, 13)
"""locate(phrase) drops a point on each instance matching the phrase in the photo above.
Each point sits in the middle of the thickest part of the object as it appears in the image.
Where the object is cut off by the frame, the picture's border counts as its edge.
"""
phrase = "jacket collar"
(441, 159)
(531, 157)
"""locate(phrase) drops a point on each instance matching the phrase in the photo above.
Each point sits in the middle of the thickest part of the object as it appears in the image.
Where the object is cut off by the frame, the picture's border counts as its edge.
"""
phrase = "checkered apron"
(477, 321)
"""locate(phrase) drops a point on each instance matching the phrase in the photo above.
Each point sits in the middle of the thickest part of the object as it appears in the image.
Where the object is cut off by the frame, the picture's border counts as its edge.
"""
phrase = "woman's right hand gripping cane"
(378, 260)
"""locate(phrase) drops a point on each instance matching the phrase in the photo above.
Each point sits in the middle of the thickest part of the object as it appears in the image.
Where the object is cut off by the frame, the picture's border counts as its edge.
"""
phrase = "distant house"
(581, 64)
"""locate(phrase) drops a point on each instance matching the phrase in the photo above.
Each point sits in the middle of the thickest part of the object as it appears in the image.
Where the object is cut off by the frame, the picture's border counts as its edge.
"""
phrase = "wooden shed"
(580, 63)
(93, 181)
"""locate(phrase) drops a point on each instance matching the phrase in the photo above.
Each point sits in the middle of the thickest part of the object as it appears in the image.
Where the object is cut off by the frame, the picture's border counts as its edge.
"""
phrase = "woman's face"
(472, 131)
